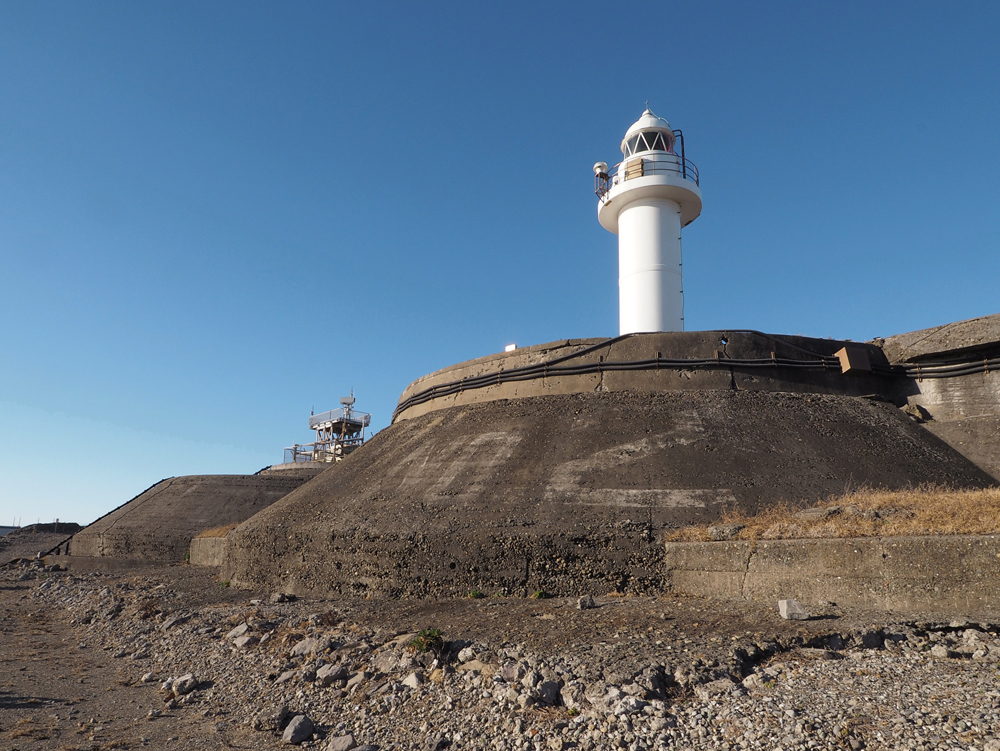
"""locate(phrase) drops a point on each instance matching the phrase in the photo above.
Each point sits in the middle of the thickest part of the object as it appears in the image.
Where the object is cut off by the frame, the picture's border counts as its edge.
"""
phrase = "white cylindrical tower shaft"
(645, 200)
(650, 294)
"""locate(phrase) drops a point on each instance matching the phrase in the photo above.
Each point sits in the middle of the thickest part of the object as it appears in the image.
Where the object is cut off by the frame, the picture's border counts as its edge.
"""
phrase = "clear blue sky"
(216, 216)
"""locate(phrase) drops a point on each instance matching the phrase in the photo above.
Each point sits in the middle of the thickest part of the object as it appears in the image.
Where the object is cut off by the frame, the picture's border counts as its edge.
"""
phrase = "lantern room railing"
(643, 166)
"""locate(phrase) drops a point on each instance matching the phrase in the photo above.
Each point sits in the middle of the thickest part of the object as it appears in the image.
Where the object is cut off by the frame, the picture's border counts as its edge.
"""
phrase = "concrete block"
(207, 551)
(854, 360)
(791, 610)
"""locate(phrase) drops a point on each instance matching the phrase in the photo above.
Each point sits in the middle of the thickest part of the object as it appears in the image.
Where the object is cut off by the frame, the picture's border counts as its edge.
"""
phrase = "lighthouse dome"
(648, 133)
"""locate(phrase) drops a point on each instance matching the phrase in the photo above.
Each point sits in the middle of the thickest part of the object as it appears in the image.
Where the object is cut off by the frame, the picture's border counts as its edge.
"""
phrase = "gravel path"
(194, 665)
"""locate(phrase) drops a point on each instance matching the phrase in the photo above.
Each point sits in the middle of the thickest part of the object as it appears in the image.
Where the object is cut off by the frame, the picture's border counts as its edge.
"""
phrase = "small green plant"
(475, 594)
(224, 583)
(540, 595)
(427, 640)
(769, 684)
(187, 557)
(573, 712)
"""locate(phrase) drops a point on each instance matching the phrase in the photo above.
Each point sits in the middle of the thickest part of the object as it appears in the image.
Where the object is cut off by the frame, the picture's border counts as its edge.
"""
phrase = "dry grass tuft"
(222, 531)
(868, 513)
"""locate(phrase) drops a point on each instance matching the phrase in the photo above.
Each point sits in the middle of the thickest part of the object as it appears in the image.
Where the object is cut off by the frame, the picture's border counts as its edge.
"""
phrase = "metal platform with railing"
(338, 433)
(344, 415)
(644, 166)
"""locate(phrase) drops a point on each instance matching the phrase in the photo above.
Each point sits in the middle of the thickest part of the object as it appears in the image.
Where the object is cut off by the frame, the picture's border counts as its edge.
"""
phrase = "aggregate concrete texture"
(208, 551)
(570, 493)
(945, 575)
(158, 525)
(939, 342)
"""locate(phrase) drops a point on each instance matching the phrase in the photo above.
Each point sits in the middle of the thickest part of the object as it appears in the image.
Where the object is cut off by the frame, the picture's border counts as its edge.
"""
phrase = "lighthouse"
(646, 199)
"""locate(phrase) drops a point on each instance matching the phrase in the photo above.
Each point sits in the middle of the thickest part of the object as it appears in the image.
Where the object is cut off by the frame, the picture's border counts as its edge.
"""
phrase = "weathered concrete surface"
(964, 410)
(944, 342)
(309, 469)
(159, 524)
(208, 551)
(28, 544)
(673, 345)
(950, 575)
(570, 493)
(976, 438)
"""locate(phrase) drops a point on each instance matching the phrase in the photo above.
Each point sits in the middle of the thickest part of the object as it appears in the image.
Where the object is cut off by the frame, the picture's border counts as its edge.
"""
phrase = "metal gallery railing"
(643, 167)
(362, 419)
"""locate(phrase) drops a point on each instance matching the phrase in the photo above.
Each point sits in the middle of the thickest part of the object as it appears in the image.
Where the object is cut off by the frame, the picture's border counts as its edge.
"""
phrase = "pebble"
(903, 685)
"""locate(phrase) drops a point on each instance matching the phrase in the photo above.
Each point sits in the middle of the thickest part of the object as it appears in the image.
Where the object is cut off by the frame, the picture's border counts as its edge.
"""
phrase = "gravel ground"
(172, 659)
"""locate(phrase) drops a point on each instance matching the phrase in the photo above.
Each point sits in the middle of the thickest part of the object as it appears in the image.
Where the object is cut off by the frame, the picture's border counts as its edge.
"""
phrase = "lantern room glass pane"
(632, 144)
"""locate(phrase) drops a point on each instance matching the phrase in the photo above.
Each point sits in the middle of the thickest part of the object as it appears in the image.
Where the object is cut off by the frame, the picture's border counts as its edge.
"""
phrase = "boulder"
(305, 647)
(298, 730)
(271, 718)
(329, 674)
(341, 743)
(184, 685)
(413, 680)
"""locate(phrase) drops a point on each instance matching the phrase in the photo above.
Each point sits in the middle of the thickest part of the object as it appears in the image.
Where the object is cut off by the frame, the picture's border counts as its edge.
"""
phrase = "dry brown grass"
(28, 727)
(870, 513)
(222, 531)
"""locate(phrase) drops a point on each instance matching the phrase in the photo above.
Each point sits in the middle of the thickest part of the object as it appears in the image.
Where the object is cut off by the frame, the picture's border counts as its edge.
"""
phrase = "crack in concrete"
(746, 570)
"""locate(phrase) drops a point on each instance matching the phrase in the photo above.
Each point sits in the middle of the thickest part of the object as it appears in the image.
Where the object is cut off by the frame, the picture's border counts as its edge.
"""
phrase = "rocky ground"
(174, 659)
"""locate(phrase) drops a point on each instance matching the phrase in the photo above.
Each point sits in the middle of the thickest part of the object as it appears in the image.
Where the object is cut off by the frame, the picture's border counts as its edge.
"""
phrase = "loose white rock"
(791, 610)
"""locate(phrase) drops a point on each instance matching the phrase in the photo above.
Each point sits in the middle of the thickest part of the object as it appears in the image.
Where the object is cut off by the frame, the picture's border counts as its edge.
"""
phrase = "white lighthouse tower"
(645, 199)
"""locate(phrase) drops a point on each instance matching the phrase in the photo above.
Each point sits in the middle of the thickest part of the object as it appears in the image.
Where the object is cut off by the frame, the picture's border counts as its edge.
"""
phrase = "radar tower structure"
(338, 433)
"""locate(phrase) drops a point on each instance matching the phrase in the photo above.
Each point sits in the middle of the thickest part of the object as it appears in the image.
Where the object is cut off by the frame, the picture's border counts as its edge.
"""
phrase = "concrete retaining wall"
(956, 575)
(965, 410)
(207, 551)
(685, 345)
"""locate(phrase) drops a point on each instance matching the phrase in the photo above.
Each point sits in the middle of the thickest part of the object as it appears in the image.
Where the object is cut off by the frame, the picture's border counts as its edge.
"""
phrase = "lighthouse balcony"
(646, 166)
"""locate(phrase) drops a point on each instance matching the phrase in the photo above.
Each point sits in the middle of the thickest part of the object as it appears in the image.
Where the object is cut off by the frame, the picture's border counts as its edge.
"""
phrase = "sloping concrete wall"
(947, 575)
(570, 493)
(159, 524)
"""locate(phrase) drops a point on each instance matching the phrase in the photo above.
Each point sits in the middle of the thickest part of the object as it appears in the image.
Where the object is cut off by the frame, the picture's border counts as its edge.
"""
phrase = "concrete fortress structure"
(646, 199)
(559, 467)
(159, 524)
